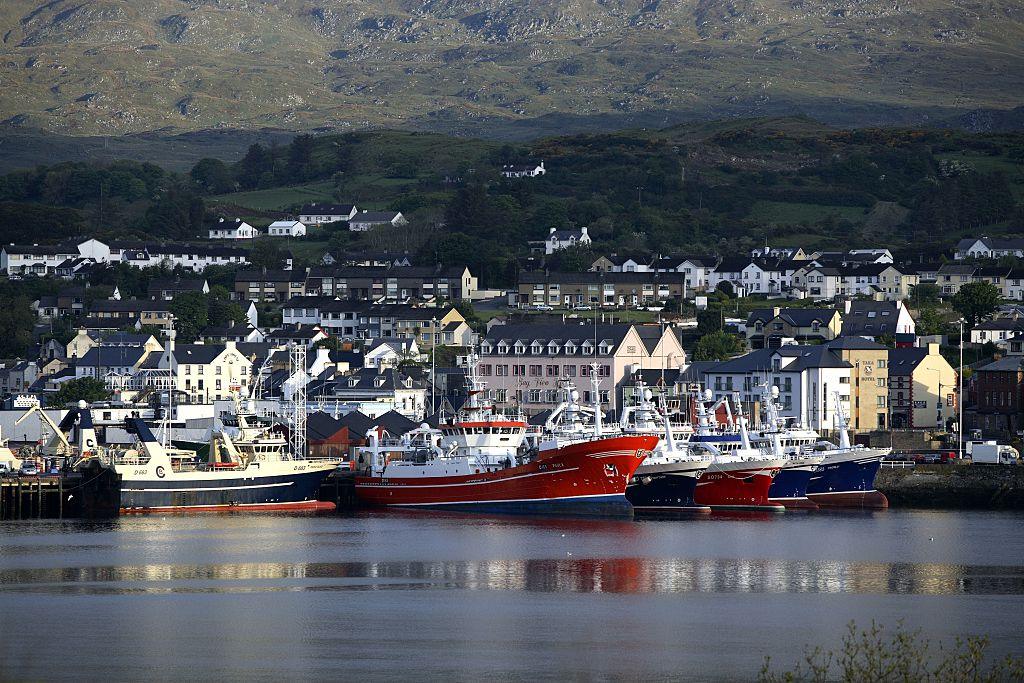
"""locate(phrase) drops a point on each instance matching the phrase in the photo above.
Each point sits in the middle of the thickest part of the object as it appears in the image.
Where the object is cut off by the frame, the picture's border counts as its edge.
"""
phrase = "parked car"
(542, 307)
(5, 469)
(28, 469)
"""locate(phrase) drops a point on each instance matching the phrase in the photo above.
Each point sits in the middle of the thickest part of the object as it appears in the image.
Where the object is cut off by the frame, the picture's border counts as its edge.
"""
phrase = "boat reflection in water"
(569, 575)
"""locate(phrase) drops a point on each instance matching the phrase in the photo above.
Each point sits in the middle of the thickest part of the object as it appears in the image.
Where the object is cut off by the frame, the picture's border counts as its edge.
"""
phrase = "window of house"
(535, 370)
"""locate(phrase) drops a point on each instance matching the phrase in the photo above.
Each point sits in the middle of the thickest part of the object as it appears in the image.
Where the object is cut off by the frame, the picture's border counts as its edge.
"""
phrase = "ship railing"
(898, 464)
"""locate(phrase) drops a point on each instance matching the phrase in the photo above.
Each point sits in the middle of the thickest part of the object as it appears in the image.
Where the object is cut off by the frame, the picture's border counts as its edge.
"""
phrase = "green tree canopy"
(924, 294)
(976, 301)
(212, 176)
(191, 312)
(87, 389)
(717, 346)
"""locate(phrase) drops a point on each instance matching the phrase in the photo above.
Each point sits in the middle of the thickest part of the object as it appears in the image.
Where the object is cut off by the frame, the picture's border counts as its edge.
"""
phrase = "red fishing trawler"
(478, 461)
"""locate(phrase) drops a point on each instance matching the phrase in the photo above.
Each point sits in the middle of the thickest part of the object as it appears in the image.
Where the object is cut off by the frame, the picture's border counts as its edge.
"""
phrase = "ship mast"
(297, 359)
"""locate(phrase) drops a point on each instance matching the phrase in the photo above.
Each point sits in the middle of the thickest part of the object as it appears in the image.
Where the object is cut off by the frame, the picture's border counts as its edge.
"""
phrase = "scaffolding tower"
(297, 360)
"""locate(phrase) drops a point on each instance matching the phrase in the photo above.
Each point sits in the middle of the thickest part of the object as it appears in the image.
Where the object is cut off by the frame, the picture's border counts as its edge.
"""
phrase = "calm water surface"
(430, 595)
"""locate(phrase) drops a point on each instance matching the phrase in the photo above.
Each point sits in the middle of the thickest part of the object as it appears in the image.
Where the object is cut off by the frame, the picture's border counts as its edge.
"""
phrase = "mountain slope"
(117, 66)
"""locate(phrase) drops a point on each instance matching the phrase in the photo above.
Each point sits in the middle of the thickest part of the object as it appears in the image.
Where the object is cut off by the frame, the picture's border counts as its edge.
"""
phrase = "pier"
(954, 486)
(339, 488)
(91, 492)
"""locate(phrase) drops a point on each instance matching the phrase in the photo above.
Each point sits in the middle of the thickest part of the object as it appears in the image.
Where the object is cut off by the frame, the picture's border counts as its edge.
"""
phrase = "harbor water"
(394, 595)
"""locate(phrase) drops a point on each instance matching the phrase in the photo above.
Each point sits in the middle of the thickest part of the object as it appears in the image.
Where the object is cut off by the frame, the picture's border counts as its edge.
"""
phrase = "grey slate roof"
(854, 344)
(112, 356)
(320, 425)
(1007, 364)
(798, 317)
(374, 217)
(326, 209)
(395, 423)
(196, 354)
(902, 362)
(357, 423)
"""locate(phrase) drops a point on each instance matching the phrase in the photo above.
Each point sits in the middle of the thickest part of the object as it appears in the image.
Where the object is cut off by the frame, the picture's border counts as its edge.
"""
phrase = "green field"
(791, 213)
(278, 198)
(984, 163)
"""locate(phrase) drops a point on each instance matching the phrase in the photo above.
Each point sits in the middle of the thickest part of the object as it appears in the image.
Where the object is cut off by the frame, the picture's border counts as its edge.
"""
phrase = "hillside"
(721, 186)
(503, 67)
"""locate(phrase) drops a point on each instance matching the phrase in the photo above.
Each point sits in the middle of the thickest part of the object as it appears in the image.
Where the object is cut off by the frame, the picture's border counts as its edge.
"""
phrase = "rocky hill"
(503, 67)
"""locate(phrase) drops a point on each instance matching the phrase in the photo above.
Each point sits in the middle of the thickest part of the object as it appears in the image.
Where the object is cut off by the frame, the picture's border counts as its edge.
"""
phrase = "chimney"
(847, 304)
(583, 231)
(551, 231)
(933, 349)
(776, 311)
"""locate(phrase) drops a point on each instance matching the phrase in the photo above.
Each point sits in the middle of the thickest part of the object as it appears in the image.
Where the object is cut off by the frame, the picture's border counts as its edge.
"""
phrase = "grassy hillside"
(721, 187)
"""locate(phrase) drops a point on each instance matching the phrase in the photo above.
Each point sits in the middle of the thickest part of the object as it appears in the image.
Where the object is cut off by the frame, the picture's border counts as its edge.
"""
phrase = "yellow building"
(922, 388)
(869, 381)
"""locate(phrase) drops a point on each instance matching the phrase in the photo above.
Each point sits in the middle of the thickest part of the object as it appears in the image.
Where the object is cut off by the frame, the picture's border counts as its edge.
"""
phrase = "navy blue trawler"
(154, 479)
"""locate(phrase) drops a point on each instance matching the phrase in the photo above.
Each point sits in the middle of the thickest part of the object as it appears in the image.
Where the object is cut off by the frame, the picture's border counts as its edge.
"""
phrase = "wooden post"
(17, 502)
(60, 497)
(39, 503)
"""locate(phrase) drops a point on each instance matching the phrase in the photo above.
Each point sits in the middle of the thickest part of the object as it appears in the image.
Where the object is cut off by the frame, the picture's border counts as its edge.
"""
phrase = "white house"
(318, 214)
(876, 318)
(287, 229)
(563, 239)
(232, 230)
(997, 330)
(871, 255)
(989, 248)
(729, 272)
(762, 277)
(819, 282)
(367, 220)
(808, 377)
(530, 170)
(206, 372)
(1013, 285)
(695, 269)
(35, 259)
(388, 353)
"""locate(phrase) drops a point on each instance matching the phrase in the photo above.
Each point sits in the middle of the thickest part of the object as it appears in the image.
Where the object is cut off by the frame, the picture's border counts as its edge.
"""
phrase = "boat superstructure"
(479, 461)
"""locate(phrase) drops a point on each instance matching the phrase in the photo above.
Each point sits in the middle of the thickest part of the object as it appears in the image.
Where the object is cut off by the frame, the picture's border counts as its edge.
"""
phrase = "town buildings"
(922, 389)
(598, 289)
(523, 364)
(320, 214)
(367, 220)
(287, 228)
(564, 239)
(237, 229)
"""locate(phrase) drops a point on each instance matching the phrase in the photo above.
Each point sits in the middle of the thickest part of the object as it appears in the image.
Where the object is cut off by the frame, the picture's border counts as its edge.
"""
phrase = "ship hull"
(666, 488)
(789, 487)
(737, 486)
(848, 481)
(583, 478)
(224, 492)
